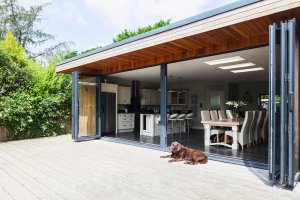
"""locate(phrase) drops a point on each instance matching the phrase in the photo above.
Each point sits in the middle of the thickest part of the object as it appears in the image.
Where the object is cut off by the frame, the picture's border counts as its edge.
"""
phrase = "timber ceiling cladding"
(247, 34)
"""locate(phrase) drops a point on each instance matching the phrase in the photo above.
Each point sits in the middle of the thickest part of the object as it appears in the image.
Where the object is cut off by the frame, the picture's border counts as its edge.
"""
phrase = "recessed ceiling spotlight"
(224, 60)
(237, 66)
(248, 70)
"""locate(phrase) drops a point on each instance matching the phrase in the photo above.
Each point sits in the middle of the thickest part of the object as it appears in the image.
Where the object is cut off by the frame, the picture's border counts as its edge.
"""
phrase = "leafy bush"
(34, 100)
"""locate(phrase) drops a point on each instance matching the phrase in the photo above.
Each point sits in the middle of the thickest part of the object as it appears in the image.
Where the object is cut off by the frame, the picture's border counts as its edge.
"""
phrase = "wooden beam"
(194, 53)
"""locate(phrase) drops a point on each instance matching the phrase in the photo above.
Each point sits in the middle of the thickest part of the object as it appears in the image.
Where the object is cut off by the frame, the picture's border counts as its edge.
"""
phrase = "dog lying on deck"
(181, 153)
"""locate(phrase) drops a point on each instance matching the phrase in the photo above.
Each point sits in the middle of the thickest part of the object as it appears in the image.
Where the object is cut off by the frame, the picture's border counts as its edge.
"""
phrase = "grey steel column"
(98, 106)
(291, 136)
(272, 101)
(75, 116)
(283, 105)
(163, 105)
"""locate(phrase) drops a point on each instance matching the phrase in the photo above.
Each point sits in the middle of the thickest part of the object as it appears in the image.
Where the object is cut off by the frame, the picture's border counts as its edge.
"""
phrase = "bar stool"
(173, 119)
(181, 118)
(188, 118)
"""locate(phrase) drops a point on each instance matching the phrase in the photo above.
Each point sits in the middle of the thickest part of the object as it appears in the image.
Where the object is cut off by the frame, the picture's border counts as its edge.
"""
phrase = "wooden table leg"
(235, 144)
(207, 134)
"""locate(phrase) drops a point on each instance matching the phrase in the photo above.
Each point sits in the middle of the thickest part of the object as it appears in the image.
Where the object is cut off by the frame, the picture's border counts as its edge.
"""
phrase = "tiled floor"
(195, 139)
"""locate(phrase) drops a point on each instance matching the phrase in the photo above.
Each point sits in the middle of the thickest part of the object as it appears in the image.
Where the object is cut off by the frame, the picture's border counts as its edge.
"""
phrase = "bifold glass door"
(283, 115)
(85, 106)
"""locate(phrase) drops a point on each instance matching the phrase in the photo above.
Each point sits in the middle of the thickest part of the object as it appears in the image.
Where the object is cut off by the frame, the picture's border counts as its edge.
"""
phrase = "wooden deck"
(57, 168)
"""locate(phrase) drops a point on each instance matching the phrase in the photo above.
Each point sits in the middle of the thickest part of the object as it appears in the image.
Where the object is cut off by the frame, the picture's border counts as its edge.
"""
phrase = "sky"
(91, 23)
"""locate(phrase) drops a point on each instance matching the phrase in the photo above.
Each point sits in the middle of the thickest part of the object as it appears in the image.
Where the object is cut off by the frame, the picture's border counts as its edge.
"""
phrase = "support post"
(283, 104)
(272, 102)
(98, 107)
(75, 116)
(291, 136)
(163, 105)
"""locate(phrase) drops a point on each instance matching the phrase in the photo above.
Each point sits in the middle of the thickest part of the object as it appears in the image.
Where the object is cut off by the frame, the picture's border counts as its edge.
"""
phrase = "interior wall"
(252, 90)
(201, 89)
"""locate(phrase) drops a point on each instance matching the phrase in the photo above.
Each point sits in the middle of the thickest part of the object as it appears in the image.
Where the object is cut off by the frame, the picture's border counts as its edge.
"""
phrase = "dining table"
(234, 124)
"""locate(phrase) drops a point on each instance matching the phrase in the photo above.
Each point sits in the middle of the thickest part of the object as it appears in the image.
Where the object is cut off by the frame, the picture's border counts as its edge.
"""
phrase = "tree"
(128, 33)
(71, 54)
(22, 23)
(13, 63)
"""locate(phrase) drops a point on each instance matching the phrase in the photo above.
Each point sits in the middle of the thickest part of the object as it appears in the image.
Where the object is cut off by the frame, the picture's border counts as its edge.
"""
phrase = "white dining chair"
(264, 128)
(205, 116)
(222, 114)
(260, 120)
(214, 115)
(243, 135)
(252, 128)
(229, 114)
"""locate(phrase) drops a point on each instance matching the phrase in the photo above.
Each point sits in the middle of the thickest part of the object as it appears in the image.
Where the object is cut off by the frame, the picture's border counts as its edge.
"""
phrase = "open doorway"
(138, 105)
(210, 83)
(195, 86)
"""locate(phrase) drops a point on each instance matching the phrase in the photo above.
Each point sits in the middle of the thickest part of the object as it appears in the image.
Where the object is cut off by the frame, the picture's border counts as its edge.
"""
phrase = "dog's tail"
(204, 161)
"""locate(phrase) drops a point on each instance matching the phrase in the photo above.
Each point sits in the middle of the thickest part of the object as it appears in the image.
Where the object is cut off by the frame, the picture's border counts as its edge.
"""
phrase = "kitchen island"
(149, 125)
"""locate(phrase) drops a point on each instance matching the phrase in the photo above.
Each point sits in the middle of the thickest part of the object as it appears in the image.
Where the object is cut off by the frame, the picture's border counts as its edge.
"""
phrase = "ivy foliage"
(34, 100)
(125, 34)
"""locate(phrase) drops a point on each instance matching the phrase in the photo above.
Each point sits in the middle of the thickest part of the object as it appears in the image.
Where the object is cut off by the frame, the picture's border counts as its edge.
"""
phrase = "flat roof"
(199, 17)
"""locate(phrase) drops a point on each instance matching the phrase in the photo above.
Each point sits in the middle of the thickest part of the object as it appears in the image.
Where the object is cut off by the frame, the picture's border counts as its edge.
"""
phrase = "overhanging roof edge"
(201, 16)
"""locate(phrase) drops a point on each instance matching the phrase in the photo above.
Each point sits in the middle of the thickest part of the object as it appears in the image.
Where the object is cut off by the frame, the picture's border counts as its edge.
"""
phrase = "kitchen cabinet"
(177, 98)
(125, 122)
(111, 88)
(124, 95)
(150, 97)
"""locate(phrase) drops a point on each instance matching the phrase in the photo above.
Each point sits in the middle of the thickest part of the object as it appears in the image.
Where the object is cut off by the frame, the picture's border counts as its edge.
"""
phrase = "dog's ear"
(179, 146)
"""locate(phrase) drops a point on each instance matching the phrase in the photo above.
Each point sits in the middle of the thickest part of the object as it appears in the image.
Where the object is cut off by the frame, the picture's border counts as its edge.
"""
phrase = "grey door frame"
(285, 171)
(75, 107)
(163, 104)
(273, 172)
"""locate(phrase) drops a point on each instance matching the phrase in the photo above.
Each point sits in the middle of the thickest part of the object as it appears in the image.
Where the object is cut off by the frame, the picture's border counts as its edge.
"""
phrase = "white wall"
(201, 89)
(253, 89)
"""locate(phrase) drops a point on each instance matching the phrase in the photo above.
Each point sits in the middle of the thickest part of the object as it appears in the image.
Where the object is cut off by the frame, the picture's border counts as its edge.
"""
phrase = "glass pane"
(174, 98)
(215, 102)
(87, 106)
(181, 97)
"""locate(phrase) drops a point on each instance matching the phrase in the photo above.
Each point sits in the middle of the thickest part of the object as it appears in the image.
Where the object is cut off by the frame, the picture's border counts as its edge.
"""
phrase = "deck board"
(58, 168)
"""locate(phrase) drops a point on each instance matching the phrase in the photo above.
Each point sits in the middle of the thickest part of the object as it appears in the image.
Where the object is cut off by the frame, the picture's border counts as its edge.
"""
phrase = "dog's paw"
(170, 161)
(162, 156)
(186, 162)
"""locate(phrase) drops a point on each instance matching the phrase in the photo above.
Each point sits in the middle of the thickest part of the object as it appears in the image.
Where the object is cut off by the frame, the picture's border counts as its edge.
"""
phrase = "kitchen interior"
(193, 85)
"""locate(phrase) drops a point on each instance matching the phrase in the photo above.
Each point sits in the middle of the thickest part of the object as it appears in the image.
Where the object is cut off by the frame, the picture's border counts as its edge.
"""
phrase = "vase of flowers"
(235, 107)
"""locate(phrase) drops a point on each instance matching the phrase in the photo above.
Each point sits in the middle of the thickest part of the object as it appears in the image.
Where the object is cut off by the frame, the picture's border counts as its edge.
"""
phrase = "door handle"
(291, 101)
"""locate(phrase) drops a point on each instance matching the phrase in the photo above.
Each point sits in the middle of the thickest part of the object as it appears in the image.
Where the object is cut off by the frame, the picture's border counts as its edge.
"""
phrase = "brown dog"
(191, 156)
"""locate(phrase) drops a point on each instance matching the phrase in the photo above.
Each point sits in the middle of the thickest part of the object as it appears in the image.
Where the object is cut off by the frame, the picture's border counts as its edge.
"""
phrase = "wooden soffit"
(246, 27)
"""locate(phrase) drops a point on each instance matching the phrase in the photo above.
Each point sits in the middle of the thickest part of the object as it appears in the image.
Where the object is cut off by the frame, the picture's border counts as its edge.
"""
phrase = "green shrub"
(34, 100)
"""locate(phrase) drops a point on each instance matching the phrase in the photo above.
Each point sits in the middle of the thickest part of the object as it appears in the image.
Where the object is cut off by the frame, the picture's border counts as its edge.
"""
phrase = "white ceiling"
(197, 70)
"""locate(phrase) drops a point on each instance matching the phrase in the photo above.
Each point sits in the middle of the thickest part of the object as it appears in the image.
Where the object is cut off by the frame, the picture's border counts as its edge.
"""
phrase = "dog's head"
(175, 147)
